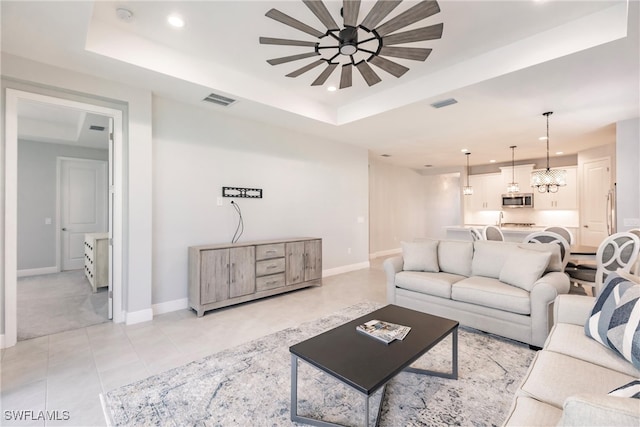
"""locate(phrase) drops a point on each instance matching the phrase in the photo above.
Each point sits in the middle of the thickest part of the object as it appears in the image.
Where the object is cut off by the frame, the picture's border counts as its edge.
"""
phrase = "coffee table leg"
(311, 421)
(454, 362)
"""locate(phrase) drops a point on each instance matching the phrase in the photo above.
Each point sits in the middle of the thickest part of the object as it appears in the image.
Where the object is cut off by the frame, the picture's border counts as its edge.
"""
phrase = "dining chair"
(475, 234)
(618, 251)
(636, 268)
(550, 237)
(563, 231)
(492, 232)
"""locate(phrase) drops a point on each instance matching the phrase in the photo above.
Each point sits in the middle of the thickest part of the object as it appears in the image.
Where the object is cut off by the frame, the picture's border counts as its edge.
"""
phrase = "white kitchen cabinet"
(565, 199)
(96, 259)
(487, 192)
(521, 174)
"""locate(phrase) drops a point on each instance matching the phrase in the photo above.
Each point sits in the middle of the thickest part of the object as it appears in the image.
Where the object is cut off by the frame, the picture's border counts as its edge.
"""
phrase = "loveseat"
(577, 380)
(500, 287)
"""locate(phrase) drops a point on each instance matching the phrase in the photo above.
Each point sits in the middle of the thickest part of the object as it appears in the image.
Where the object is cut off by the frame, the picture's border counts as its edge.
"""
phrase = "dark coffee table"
(366, 364)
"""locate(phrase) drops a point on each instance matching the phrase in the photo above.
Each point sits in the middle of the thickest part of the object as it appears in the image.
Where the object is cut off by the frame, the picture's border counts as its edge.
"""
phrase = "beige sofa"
(503, 288)
(569, 380)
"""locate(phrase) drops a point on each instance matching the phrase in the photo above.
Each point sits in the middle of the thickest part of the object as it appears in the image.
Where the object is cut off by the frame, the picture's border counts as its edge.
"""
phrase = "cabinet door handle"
(233, 272)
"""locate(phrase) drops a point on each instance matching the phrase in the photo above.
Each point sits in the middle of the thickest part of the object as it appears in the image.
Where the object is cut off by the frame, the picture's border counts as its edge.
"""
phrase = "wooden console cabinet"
(227, 274)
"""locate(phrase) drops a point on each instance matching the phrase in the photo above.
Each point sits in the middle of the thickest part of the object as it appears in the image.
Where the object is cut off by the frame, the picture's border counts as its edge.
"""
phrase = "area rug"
(249, 385)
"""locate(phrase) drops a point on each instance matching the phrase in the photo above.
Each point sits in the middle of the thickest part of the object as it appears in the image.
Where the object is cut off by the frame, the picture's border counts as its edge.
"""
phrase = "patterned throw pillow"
(615, 318)
(631, 389)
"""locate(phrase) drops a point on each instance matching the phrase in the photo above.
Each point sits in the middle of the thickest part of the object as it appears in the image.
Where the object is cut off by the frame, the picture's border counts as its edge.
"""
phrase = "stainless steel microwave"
(517, 200)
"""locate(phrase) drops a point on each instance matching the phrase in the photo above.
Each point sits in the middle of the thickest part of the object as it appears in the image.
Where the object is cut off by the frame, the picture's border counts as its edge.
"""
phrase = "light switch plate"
(219, 201)
(631, 222)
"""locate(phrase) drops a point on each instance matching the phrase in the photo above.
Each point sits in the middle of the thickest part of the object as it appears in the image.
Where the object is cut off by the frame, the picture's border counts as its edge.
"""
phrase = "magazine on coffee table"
(383, 331)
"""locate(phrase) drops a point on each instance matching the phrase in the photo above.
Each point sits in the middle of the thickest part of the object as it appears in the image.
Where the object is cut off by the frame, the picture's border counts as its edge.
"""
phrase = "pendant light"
(467, 190)
(548, 180)
(513, 186)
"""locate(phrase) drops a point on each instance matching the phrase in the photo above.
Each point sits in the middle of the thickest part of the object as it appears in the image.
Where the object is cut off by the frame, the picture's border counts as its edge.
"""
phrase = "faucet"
(500, 218)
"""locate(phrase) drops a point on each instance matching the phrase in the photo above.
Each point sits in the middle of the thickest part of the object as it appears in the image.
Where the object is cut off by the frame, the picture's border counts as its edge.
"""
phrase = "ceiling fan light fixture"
(348, 41)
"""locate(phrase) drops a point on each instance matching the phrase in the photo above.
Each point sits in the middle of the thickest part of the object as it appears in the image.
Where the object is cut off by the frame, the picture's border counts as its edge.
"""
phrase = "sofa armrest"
(573, 309)
(392, 266)
(543, 294)
(589, 409)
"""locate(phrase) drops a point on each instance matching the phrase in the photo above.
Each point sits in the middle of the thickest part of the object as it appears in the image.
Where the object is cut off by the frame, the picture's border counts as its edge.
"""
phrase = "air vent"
(444, 103)
(219, 99)
(95, 127)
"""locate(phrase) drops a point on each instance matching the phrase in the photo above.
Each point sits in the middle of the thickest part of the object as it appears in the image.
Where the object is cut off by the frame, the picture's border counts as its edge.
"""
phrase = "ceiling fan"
(358, 45)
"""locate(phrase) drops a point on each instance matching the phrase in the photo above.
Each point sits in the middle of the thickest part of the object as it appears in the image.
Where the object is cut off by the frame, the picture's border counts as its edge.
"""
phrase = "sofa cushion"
(529, 412)
(420, 256)
(523, 267)
(491, 293)
(615, 318)
(567, 376)
(455, 257)
(436, 284)
(555, 262)
(590, 409)
(570, 340)
(489, 257)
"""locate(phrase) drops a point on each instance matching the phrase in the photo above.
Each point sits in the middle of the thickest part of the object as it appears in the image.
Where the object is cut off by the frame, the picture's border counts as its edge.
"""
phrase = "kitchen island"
(512, 233)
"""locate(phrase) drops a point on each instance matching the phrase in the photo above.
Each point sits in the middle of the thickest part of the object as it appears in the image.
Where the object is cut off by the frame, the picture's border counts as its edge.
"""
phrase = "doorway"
(114, 189)
(595, 210)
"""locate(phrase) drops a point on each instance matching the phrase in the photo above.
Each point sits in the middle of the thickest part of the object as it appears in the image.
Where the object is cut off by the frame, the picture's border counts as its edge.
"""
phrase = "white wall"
(311, 187)
(628, 174)
(405, 205)
(37, 191)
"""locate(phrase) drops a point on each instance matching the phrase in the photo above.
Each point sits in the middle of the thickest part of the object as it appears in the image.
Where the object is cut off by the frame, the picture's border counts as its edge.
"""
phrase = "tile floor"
(68, 371)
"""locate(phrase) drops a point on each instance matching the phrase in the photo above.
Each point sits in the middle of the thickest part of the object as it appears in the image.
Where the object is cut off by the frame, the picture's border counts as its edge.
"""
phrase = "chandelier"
(548, 180)
(467, 190)
(513, 186)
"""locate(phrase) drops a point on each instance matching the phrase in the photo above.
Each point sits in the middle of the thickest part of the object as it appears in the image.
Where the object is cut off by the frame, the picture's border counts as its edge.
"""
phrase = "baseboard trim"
(138, 316)
(345, 269)
(169, 306)
(37, 271)
(385, 253)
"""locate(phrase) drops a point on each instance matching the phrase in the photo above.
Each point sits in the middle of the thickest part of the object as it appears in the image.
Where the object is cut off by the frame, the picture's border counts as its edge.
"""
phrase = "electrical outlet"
(349, 251)
(47, 221)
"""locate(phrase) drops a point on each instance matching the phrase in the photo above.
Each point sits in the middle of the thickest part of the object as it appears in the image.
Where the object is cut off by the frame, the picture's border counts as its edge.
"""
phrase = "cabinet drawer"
(270, 282)
(269, 266)
(269, 251)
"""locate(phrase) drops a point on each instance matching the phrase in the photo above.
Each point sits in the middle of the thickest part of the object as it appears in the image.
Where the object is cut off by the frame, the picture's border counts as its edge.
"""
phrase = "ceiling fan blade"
(389, 66)
(346, 76)
(350, 10)
(425, 33)
(368, 74)
(320, 10)
(284, 59)
(418, 12)
(324, 75)
(287, 20)
(286, 42)
(413, 53)
(306, 68)
(378, 12)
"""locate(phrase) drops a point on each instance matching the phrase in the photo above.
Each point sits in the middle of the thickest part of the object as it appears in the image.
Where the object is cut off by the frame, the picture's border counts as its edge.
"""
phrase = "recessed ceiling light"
(492, 161)
(464, 150)
(559, 152)
(332, 88)
(175, 21)
(385, 155)
(542, 138)
(428, 166)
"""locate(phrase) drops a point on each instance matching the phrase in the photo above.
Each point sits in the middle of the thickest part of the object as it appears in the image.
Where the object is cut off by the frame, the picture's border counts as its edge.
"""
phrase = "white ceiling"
(506, 62)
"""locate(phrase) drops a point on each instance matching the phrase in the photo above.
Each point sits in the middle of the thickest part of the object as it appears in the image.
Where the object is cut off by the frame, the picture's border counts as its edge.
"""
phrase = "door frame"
(116, 235)
(583, 191)
(59, 161)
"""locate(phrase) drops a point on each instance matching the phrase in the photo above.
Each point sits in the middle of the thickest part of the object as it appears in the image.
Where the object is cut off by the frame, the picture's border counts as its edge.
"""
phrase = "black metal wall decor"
(247, 193)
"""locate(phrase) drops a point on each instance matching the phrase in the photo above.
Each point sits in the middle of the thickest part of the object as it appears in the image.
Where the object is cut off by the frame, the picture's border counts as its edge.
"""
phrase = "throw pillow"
(615, 318)
(455, 257)
(523, 267)
(420, 256)
(489, 257)
(631, 389)
(555, 262)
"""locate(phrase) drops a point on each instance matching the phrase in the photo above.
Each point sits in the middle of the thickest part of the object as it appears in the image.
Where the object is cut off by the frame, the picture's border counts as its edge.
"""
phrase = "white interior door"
(596, 183)
(83, 206)
(110, 216)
